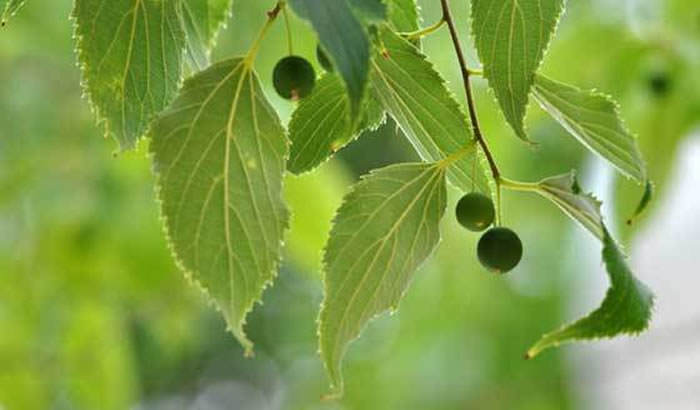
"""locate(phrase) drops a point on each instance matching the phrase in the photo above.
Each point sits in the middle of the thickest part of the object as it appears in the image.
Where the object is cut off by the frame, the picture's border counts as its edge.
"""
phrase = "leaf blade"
(405, 82)
(511, 42)
(219, 156)
(565, 193)
(594, 120)
(9, 8)
(401, 203)
(321, 124)
(626, 309)
(201, 22)
(130, 53)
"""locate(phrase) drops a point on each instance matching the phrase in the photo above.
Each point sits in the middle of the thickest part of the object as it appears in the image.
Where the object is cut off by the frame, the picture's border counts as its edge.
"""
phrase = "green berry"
(659, 83)
(499, 250)
(293, 77)
(475, 211)
(323, 59)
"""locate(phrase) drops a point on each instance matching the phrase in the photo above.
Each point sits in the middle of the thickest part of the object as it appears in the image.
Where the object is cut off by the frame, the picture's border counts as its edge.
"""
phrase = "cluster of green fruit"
(499, 249)
(294, 76)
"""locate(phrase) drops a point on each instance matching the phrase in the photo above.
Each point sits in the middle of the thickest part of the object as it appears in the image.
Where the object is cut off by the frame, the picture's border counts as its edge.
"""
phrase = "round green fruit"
(475, 211)
(499, 250)
(323, 59)
(293, 78)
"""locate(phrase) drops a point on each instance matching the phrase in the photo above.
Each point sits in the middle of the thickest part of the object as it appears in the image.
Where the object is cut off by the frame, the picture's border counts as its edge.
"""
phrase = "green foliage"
(131, 63)
(594, 120)
(385, 229)
(8, 8)
(415, 95)
(201, 21)
(511, 37)
(321, 124)
(345, 40)
(626, 308)
(219, 153)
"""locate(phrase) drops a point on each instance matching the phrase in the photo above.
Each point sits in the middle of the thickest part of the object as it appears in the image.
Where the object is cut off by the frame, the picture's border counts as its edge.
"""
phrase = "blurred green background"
(94, 314)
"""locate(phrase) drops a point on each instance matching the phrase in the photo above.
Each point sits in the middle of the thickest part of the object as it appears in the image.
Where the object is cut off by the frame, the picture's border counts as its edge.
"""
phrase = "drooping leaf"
(403, 15)
(580, 206)
(201, 21)
(416, 96)
(8, 8)
(593, 119)
(385, 229)
(219, 155)
(130, 53)
(344, 39)
(626, 309)
(321, 124)
(511, 37)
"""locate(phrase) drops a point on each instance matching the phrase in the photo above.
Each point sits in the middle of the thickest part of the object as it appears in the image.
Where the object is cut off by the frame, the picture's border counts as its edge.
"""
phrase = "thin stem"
(412, 35)
(447, 16)
(289, 29)
(271, 16)
(519, 185)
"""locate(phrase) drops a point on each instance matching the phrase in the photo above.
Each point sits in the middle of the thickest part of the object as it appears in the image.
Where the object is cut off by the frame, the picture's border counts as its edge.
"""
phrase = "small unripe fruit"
(499, 250)
(659, 83)
(475, 211)
(323, 59)
(293, 77)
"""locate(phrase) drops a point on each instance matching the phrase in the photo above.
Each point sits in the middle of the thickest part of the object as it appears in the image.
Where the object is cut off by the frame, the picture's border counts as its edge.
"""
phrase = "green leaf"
(321, 124)
(385, 229)
(130, 53)
(8, 8)
(416, 96)
(201, 21)
(371, 11)
(219, 155)
(582, 207)
(594, 120)
(345, 40)
(644, 202)
(626, 308)
(511, 37)
(403, 15)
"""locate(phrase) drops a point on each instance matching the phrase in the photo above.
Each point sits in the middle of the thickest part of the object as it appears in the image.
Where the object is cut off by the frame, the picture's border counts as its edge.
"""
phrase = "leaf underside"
(511, 37)
(403, 15)
(219, 154)
(130, 53)
(416, 96)
(593, 119)
(582, 207)
(626, 309)
(385, 229)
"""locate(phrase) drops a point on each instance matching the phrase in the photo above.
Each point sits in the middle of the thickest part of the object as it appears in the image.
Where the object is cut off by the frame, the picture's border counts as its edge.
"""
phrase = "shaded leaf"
(580, 206)
(371, 11)
(130, 53)
(416, 96)
(511, 37)
(385, 229)
(219, 156)
(321, 124)
(594, 120)
(201, 21)
(345, 41)
(403, 15)
(626, 309)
